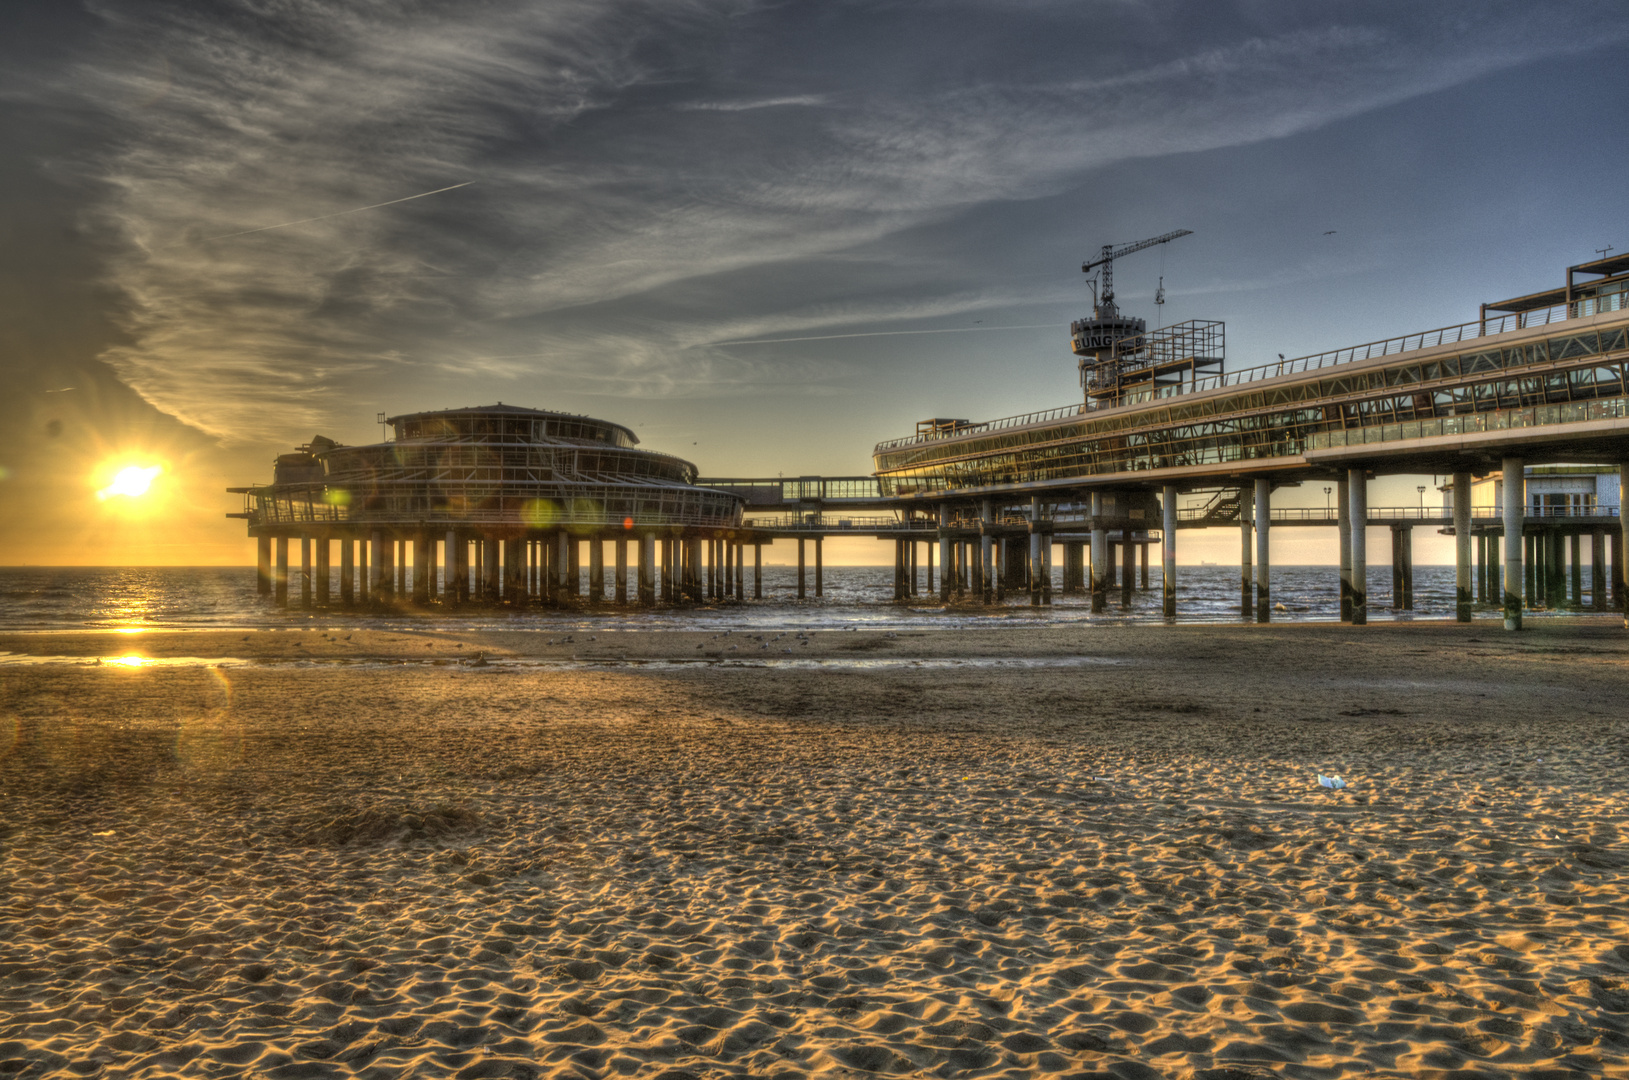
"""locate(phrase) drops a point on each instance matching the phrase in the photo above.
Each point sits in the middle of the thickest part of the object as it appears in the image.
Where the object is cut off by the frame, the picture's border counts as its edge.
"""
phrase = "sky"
(766, 236)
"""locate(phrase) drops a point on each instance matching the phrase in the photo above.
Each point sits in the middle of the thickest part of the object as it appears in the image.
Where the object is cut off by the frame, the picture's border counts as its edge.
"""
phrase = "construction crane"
(1105, 292)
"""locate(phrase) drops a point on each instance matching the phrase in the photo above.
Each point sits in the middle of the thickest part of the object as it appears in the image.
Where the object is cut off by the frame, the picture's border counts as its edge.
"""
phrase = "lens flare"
(132, 482)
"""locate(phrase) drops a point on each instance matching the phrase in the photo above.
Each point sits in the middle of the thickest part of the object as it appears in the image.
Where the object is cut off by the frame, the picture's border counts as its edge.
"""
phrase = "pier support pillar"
(740, 570)
(1100, 557)
(1247, 577)
(802, 591)
(514, 576)
(899, 570)
(263, 571)
(325, 585)
(757, 571)
(452, 573)
(491, 570)
(1074, 568)
(1343, 527)
(1396, 568)
(1046, 566)
(820, 567)
(983, 579)
(621, 596)
(1479, 573)
(1168, 504)
(944, 553)
(1576, 564)
(1462, 546)
(1555, 566)
(1142, 565)
(1530, 568)
(1407, 549)
(363, 573)
(1515, 506)
(645, 594)
(596, 570)
(305, 571)
(347, 571)
(1620, 590)
(376, 571)
(421, 569)
(1035, 564)
(1597, 569)
(1357, 483)
(1264, 568)
(1129, 577)
(280, 581)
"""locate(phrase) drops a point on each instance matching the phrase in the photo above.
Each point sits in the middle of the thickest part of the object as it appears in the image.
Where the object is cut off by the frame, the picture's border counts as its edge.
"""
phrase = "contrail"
(892, 333)
(339, 213)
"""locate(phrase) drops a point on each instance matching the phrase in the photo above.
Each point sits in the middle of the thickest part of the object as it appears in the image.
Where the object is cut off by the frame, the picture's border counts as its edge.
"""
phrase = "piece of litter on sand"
(1333, 782)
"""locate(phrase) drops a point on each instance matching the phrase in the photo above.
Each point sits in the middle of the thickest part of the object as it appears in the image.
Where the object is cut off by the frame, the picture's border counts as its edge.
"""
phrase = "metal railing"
(1416, 513)
(859, 523)
(1425, 339)
(798, 488)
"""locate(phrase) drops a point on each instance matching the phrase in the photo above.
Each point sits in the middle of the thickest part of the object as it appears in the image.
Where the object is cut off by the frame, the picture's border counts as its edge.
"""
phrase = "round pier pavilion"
(495, 505)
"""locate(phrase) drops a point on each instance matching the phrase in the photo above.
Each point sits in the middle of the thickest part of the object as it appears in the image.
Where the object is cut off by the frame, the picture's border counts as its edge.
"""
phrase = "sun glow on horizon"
(132, 481)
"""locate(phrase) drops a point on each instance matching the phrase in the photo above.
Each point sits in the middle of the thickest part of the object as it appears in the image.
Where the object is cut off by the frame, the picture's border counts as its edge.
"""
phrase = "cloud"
(798, 100)
(656, 179)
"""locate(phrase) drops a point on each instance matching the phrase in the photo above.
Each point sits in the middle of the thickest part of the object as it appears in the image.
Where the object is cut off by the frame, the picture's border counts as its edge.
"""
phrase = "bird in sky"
(62, 389)
(1331, 232)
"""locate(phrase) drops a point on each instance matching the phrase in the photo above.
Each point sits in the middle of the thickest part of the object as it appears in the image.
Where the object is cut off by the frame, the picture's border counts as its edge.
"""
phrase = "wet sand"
(1082, 851)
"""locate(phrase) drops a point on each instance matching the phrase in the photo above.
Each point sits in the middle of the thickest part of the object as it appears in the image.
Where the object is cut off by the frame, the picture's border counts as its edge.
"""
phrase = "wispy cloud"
(796, 100)
(648, 194)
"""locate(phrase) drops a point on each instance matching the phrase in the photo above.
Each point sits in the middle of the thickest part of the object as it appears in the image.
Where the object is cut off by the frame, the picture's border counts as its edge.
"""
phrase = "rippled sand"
(1115, 863)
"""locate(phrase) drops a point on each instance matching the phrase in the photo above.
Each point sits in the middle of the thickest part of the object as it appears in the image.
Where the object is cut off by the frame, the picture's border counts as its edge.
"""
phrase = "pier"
(506, 505)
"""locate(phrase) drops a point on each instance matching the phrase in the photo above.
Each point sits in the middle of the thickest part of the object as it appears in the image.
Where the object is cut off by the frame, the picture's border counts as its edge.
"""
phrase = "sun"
(132, 481)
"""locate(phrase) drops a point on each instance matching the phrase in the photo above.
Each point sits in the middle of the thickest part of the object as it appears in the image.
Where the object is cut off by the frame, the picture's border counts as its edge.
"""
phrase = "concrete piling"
(1100, 557)
(1462, 546)
(263, 570)
(1247, 579)
(280, 581)
(1515, 504)
(1343, 528)
(1357, 483)
(1263, 501)
(1168, 500)
(347, 572)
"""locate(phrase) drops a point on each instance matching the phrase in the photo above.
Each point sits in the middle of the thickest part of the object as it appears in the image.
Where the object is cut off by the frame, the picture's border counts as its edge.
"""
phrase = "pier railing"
(1432, 514)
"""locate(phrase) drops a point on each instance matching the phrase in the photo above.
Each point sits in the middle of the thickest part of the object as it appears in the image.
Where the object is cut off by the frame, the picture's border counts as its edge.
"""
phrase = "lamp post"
(1421, 490)
(1326, 501)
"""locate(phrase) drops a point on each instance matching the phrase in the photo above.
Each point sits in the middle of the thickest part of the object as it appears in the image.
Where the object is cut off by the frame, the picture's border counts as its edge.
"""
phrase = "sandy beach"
(1080, 851)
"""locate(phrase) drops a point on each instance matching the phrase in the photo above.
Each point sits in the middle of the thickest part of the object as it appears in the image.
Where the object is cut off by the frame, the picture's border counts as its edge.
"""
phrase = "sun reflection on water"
(128, 661)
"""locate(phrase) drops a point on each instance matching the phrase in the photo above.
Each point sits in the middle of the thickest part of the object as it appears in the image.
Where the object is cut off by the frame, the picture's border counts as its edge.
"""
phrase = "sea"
(206, 598)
